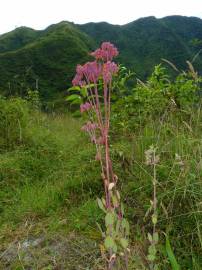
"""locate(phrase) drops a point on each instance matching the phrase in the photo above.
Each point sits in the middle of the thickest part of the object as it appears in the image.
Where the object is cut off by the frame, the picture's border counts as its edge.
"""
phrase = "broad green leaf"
(150, 237)
(100, 204)
(154, 219)
(125, 226)
(73, 97)
(109, 219)
(156, 237)
(109, 243)
(124, 243)
(76, 101)
(115, 201)
(74, 88)
(152, 250)
(84, 92)
(171, 256)
(151, 258)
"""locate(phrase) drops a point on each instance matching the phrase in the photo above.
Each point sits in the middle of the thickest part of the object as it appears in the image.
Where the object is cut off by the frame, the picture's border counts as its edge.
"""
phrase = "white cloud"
(41, 13)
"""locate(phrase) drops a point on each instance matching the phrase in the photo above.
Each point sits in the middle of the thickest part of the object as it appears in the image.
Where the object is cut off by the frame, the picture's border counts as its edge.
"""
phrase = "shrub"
(159, 95)
(14, 117)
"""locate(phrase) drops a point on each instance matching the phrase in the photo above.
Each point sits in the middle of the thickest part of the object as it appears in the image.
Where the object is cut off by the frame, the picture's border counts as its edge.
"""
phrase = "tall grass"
(179, 188)
(49, 180)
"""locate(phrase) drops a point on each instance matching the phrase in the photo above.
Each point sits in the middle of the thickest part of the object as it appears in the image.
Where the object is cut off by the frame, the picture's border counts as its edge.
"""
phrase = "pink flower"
(92, 71)
(98, 54)
(85, 107)
(78, 77)
(109, 69)
(106, 53)
(89, 126)
(88, 73)
(77, 80)
(110, 49)
(79, 69)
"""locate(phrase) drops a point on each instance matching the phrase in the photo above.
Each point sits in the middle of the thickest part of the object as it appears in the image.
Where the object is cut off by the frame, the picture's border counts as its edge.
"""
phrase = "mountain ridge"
(52, 54)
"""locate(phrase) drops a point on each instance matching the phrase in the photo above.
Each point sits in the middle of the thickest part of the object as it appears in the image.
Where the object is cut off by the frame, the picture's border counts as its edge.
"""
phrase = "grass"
(179, 183)
(43, 175)
(50, 183)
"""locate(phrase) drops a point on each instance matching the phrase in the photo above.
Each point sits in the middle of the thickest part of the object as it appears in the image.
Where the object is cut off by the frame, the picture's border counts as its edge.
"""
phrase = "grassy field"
(50, 182)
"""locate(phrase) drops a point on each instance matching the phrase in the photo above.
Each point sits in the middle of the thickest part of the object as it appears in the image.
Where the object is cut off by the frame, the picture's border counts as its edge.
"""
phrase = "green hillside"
(144, 42)
(47, 59)
(17, 38)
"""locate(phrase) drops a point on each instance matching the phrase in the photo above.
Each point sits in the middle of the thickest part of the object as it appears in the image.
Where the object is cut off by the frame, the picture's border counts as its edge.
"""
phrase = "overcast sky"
(38, 14)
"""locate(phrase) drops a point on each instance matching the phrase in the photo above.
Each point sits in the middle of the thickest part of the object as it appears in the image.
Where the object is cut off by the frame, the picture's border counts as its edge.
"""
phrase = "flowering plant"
(93, 80)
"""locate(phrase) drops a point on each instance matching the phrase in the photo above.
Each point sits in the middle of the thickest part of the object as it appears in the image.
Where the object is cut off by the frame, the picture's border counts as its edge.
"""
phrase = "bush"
(160, 94)
(14, 117)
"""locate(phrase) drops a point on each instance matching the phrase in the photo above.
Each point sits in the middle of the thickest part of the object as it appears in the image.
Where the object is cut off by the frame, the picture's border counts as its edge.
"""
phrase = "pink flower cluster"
(106, 52)
(85, 107)
(88, 73)
(78, 77)
(89, 126)
(92, 71)
(109, 69)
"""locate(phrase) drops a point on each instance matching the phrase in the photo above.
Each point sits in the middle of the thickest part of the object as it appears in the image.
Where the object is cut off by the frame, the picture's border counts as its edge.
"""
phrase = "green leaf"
(156, 237)
(125, 226)
(150, 237)
(84, 92)
(109, 219)
(74, 88)
(122, 208)
(115, 201)
(152, 250)
(73, 97)
(100, 229)
(118, 224)
(151, 258)
(100, 204)
(90, 85)
(103, 201)
(124, 243)
(171, 256)
(109, 243)
(154, 219)
(76, 101)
